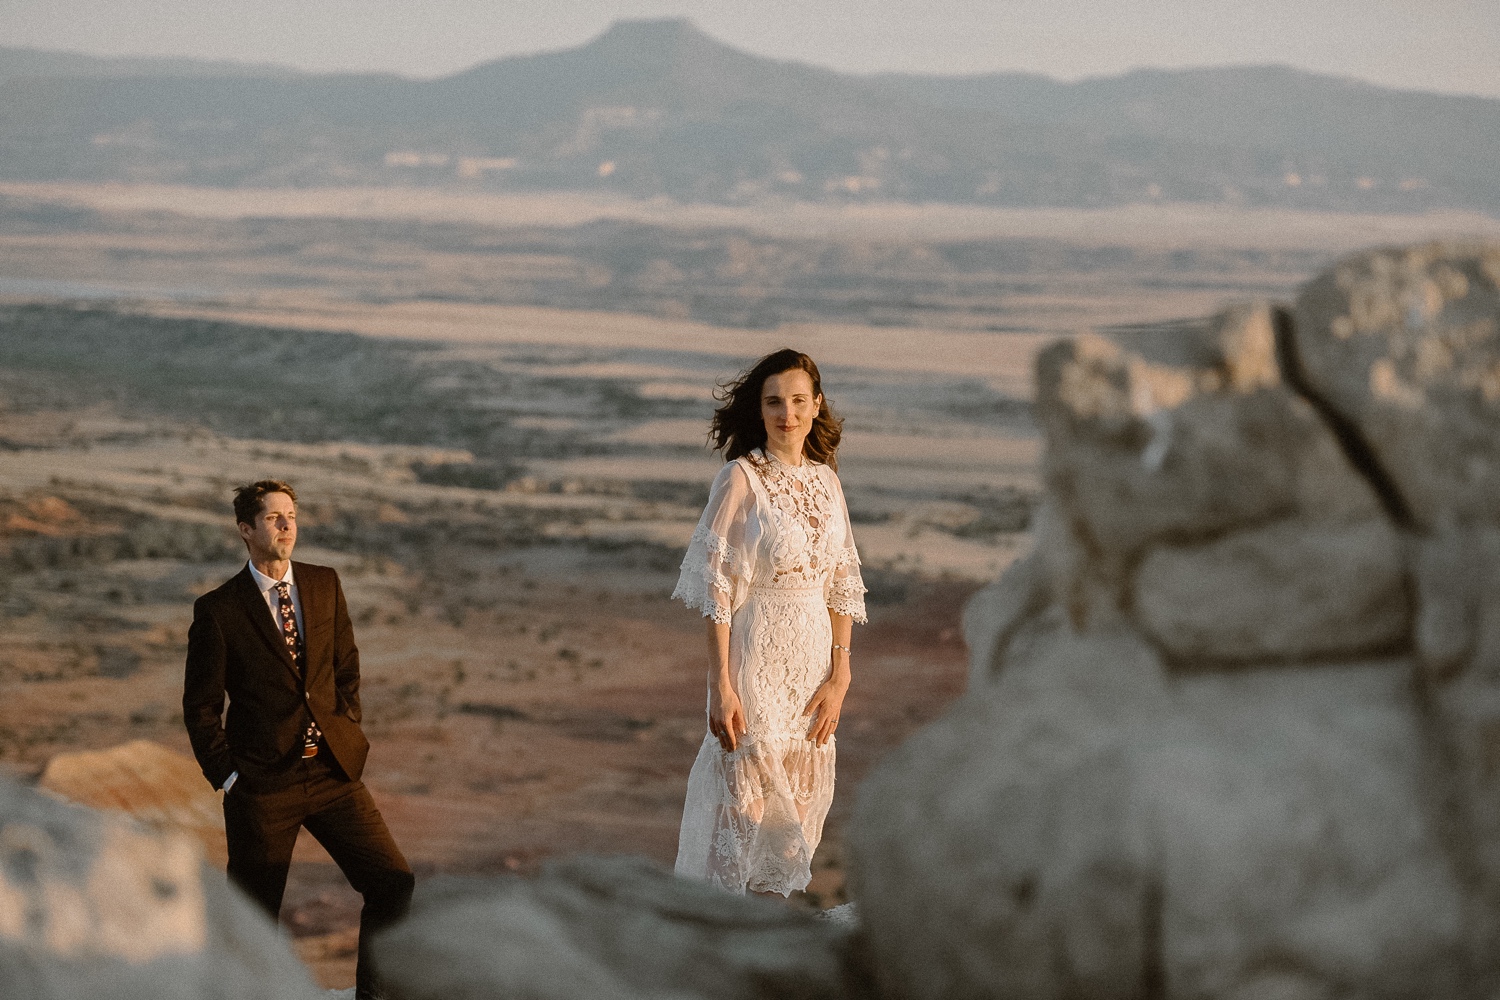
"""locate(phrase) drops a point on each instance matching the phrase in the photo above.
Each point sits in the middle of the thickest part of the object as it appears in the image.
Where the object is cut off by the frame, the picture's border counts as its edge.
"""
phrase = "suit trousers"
(262, 825)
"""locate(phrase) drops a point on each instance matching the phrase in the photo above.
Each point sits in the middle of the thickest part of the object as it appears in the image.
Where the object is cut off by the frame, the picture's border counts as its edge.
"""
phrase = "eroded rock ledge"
(1234, 724)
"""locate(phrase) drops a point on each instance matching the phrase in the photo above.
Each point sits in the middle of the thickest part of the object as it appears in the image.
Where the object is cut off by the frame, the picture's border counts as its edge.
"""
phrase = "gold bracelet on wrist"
(844, 648)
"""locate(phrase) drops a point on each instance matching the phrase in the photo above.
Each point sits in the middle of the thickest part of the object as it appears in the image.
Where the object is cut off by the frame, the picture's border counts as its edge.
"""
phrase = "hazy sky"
(1451, 45)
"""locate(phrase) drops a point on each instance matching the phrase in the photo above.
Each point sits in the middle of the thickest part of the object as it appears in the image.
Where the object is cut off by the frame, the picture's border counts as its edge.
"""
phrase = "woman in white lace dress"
(773, 568)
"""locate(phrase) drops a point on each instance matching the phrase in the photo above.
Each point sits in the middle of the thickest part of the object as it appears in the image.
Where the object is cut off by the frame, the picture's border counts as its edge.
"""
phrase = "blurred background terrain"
(478, 319)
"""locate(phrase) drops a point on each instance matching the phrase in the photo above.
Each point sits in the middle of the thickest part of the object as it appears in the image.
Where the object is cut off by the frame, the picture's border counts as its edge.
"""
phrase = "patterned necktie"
(289, 624)
(312, 734)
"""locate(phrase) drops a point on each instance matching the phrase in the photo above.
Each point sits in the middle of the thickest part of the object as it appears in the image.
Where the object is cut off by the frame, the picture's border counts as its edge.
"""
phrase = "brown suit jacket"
(235, 649)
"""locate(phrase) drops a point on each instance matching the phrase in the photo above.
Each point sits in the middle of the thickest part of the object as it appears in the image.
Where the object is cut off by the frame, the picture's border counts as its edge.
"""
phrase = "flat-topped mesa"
(1230, 727)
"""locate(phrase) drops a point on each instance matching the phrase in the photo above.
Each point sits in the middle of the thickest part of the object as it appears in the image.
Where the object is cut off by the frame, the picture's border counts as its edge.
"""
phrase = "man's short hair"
(250, 500)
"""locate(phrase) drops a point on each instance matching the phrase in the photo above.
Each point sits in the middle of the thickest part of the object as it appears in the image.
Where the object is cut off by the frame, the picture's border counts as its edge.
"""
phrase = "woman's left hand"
(826, 705)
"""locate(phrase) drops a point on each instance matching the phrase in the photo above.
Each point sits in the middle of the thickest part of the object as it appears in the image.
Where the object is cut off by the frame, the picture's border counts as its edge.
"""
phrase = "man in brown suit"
(276, 638)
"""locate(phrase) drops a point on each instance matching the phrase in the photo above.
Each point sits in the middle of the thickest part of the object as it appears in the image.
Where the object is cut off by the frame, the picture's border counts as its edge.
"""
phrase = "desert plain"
(494, 409)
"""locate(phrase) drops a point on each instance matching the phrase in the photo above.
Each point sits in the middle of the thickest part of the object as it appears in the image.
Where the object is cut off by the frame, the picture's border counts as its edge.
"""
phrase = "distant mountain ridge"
(659, 108)
(16, 62)
(1268, 107)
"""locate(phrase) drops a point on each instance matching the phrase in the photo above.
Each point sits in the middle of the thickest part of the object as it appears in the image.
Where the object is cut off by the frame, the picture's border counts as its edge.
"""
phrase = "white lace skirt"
(753, 818)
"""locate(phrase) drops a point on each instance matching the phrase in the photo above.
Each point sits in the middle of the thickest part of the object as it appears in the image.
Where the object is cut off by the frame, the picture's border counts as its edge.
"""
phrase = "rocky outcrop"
(618, 928)
(1405, 345)
(1144, 455)
(1230, 730)
(1004, 856)
(92, 905)
(1289, 592)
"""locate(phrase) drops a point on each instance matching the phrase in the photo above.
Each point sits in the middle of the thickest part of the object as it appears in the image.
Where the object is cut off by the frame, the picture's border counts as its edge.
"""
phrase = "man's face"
(273, 534)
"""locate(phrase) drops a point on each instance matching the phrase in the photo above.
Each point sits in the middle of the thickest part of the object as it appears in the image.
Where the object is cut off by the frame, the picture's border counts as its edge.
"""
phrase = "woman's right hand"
(726, 716)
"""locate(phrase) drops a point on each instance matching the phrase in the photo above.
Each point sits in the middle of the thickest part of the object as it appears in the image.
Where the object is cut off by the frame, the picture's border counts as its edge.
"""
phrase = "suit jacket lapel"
(260, 615)
(317, 608)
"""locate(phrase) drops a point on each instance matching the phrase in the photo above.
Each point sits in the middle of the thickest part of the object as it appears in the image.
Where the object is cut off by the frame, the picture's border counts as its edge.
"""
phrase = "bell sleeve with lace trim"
(715, 573)
(845, 589)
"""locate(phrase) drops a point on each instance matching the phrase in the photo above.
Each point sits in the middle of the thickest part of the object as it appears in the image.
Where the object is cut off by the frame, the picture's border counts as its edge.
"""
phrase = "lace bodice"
(774, 526)
(801, 509)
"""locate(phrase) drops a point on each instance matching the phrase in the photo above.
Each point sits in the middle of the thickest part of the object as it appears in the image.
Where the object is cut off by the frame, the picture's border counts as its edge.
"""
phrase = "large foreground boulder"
(96, 906)
(1089, 826)
(1403, 347)
(617, 929)
(1232, 725)
(1000, 852)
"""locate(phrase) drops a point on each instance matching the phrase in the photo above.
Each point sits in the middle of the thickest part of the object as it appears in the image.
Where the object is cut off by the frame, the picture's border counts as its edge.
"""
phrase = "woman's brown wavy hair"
(737, 427)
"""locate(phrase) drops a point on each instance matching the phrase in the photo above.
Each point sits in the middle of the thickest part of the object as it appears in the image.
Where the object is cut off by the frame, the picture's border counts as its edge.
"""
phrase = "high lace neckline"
(767, 455)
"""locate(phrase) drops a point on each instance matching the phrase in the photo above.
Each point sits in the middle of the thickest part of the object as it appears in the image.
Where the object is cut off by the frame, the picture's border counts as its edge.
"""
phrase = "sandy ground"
(1165, 225)
(861, 282)
(1003, 362)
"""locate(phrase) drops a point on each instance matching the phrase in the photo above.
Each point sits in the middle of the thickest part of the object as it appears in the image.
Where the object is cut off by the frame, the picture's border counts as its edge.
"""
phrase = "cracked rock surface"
(1232, 725)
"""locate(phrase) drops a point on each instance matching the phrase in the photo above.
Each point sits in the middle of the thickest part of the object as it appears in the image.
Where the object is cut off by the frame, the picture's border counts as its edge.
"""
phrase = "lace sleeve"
(845, 590)
(715, 571)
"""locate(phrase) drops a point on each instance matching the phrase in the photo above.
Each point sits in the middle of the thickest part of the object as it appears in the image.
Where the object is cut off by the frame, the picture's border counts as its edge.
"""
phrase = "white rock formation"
(1231, 726)
(94, 906)
(620, 928)
(1405, 344)
(1294, 590)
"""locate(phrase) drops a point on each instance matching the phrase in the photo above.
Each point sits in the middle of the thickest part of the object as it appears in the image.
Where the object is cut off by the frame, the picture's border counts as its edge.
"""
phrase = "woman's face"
(788, 406)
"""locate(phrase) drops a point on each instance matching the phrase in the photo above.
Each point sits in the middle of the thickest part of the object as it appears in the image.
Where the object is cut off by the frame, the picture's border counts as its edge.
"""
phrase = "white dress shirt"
(267, 587)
